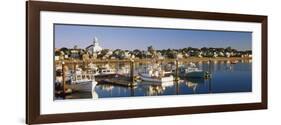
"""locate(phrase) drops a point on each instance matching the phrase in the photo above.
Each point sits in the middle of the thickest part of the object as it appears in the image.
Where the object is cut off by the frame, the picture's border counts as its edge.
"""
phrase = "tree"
(118, 53)
(185, 50)
(103, 53)
(171, 54)
(248, 51)
(189, 48)
(121, 54)
(57, 53)
(163, 52)
(82, 52)
(228, 49)
(204, 49)
(65, 51)
(221, 49)
(137, 53)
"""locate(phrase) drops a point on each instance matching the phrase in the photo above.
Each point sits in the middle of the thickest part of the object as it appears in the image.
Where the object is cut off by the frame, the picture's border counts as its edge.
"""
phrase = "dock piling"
(132, 68)
(177, 72)
(63, 77)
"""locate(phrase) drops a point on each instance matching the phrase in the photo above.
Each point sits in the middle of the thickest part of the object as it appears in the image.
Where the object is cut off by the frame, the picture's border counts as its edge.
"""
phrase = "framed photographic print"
(93, 62)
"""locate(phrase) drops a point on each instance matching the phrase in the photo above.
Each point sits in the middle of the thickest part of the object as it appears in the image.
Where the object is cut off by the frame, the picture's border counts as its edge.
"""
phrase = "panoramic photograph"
(95, 62)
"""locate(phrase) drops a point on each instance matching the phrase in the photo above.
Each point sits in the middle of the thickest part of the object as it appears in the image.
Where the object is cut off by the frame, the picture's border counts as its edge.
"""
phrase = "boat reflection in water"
(156, 89)
(227, 77)
(192, 83)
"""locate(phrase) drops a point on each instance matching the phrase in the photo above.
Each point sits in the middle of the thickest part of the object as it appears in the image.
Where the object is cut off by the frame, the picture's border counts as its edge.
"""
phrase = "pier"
(116, 80)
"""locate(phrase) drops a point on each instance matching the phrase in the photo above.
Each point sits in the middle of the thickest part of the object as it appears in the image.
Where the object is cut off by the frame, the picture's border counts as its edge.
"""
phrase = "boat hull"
(164, 79)
(196, 74)
(82, 86)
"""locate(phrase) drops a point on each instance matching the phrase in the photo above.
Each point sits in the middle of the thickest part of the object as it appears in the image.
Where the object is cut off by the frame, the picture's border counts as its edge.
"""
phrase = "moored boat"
(106, 70)
(82, 86)
(193, 72)
(156, 74)
(82, 81)
(150, 78)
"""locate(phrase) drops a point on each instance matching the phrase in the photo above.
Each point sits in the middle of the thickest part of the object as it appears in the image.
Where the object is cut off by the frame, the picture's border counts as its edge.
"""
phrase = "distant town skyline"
(130, 38)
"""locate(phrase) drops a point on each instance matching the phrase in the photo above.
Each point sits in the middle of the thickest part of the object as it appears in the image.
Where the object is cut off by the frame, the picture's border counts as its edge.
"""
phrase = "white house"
(227, 54)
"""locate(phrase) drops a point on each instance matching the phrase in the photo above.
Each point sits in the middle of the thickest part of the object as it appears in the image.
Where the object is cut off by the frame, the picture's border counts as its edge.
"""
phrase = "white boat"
(92, 68)
(106, 70)
(155, 74)
(82, 81)
(147, 77)
(83, 86)
(193, 72)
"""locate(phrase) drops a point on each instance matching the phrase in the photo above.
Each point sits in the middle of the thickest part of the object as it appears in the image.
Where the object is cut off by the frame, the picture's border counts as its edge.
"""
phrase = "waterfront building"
(186, 55)
(227, 54)
(65, 57)
(215, 55)
(74, 53)
(179, 56)
(246, 55)
(221, 54)
(127, 55)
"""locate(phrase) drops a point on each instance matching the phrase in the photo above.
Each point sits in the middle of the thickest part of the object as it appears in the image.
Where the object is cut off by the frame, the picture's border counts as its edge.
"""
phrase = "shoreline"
(189, 59)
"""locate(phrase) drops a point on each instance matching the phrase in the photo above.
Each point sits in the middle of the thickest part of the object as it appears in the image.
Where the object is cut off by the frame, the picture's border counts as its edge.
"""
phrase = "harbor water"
(225, 78)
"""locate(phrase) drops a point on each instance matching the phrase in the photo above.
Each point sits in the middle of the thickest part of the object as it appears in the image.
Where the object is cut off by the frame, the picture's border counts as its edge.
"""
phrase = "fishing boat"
(151, 78)
(82, 81)
(106, 70)
(192, 71)
(92, 68)
(155, 74)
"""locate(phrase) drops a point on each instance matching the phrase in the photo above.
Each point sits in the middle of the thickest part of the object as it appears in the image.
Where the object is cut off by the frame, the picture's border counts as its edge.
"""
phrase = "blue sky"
(131, 38)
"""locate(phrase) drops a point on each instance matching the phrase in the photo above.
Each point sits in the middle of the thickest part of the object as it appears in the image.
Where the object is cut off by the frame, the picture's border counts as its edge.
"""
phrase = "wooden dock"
(120, 80)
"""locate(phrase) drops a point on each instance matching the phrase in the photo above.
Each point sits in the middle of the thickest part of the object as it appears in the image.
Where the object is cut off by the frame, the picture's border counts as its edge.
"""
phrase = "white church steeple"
(96, 47)
(96, 43)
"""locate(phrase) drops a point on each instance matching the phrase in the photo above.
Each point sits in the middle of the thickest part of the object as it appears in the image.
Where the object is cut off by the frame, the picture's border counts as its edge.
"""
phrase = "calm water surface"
(226, 78)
